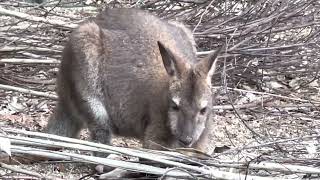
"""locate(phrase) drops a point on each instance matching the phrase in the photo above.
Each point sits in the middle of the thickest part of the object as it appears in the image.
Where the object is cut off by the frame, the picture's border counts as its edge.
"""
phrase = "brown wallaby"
(127, 72)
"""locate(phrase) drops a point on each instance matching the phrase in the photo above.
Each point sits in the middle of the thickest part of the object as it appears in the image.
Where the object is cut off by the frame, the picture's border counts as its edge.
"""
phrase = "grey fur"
(119, 75)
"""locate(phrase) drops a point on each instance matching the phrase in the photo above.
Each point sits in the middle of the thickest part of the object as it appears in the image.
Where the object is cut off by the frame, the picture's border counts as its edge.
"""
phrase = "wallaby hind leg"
(98, 125)
(100, 133)
(63, 123)
(98, 121)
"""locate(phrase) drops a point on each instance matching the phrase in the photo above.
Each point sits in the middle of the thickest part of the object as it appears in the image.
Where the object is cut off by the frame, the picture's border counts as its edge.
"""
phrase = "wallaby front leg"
(100, 133)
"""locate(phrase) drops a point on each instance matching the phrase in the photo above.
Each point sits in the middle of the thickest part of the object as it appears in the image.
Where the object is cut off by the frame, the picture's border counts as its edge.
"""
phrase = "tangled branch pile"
(176, 164)
(268, 80)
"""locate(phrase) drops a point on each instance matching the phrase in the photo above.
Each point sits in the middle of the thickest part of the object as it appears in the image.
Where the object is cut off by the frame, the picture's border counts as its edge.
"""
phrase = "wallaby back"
(129, 73)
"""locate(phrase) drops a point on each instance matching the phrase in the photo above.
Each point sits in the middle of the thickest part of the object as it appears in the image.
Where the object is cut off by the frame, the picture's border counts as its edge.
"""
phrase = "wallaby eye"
(175, 106)
(175, 101)
(203, 110)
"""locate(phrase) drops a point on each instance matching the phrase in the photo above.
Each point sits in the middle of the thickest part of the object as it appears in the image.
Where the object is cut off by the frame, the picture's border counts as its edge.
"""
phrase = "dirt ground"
(31, 113)
(267, 105)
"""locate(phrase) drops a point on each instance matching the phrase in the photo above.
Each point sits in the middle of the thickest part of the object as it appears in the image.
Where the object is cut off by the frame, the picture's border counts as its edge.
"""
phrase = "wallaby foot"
(116, 173)
(100, 169)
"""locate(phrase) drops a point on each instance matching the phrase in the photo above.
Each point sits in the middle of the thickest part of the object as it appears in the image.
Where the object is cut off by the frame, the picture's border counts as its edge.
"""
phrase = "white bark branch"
(28, 91)
(30, 61)
(28, 17)
(19, 48)
(76, 144)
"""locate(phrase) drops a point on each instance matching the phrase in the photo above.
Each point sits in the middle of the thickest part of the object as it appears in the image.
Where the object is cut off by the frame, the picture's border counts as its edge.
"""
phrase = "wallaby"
(129, 73)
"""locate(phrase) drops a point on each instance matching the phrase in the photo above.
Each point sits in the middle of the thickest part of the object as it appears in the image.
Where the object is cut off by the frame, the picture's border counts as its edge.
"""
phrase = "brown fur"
(123, 72)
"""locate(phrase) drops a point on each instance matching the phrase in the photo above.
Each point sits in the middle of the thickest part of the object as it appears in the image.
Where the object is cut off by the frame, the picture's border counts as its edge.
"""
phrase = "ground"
(267, 105)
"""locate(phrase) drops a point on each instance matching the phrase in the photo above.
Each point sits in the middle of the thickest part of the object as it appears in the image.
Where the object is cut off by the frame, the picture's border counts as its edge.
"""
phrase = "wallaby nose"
(186, 140)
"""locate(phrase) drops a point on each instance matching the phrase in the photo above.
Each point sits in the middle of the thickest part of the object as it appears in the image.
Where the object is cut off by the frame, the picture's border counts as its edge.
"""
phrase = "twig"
(275, 95)
(243, 106)
(28, 91)
(204, 12)
(28, 17)
(19, 170)
(268, 144)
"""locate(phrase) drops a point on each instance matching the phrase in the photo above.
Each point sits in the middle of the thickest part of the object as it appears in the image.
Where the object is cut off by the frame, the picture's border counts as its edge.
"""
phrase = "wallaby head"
(189, 96)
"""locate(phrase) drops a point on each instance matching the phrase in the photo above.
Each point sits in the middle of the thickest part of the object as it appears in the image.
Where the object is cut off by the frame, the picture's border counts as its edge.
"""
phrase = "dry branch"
(28, 17)
(30, 61)
(28, 91)
(19, 170)
(24, 48)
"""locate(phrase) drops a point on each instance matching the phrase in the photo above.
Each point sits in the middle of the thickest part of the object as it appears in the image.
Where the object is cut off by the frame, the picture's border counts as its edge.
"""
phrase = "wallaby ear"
(208, 64)
(169, 61)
